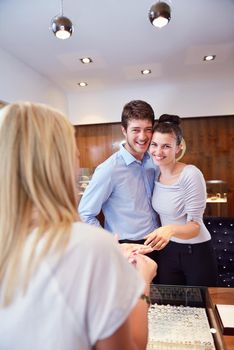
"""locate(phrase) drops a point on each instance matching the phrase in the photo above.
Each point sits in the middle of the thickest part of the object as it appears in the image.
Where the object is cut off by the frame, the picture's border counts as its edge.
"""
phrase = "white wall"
(192, 97)
(20, 82)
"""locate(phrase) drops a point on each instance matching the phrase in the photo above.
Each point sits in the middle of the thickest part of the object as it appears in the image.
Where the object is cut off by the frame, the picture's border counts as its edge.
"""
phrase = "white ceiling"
(119, 38)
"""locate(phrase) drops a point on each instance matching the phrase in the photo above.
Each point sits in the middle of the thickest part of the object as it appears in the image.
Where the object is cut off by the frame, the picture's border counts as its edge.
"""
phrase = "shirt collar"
(129, 158)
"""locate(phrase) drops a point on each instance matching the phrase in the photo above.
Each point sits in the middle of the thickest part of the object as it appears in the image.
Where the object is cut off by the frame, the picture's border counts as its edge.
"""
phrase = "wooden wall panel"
(209, 140)
(211, 147)
(97, 142)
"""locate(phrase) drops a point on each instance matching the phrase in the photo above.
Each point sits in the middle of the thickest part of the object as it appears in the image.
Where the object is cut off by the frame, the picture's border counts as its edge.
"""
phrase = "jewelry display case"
(85, 176)
(182, 317)
(217, 199)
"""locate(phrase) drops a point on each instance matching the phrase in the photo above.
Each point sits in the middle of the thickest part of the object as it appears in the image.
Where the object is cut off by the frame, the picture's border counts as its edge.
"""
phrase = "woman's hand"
(135, 254)
(159, 238)
(129, 250)
(146, 266)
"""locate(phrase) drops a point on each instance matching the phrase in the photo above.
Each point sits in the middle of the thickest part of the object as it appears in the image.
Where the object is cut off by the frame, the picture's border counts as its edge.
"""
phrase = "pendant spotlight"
(160, 14)
(61, 26)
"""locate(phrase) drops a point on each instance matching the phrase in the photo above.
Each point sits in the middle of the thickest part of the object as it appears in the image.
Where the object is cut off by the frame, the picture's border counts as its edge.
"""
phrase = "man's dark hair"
(137, 109)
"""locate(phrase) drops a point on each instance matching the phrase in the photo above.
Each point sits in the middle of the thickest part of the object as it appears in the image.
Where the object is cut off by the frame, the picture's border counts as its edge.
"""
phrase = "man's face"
(138, 136)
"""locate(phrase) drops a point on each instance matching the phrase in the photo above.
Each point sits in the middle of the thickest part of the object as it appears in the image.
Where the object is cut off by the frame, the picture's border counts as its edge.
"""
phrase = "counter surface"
(223, 296)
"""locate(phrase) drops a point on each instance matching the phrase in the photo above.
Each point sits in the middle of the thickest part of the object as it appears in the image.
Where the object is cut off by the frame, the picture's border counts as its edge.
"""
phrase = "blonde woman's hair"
(37, 187)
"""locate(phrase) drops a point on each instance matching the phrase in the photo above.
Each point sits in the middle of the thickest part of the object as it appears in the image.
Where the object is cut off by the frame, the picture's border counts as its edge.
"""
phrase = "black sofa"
(222, 235)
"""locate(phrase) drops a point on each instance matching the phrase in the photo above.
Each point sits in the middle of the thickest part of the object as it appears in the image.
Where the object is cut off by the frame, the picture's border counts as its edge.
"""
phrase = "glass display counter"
(182, 317)
(83, 179)
(217, 199)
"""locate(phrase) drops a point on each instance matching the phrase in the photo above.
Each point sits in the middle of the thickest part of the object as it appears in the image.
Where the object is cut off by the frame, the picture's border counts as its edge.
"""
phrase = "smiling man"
(122, 185)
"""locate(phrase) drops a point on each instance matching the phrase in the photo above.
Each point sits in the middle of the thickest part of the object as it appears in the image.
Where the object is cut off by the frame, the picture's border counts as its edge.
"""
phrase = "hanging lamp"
(160, 14)
(61, 26)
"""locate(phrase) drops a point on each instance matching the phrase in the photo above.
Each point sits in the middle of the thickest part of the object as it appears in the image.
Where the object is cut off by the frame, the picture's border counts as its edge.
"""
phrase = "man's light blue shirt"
(122, 188)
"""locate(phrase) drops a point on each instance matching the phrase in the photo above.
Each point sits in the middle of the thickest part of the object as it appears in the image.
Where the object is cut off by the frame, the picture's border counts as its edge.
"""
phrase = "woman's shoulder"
(90, 234)
(190, 169)
(191, 174)
(92, 240)
(96, 247)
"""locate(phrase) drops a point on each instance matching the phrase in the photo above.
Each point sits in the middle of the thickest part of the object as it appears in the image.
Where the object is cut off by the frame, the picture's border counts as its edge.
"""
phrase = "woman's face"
(163, 148)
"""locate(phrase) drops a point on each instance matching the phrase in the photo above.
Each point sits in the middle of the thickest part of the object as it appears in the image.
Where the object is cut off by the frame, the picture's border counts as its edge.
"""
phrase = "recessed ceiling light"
(209, 58)
(82, 84)
(145, 71)
(86, 60)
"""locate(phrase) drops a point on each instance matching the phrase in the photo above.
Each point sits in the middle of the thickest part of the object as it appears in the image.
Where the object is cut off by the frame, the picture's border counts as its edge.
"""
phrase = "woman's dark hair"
(137, 109)
(169, 124)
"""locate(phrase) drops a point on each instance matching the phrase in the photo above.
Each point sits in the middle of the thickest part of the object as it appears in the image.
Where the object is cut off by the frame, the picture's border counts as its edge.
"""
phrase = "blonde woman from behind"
(63, 284)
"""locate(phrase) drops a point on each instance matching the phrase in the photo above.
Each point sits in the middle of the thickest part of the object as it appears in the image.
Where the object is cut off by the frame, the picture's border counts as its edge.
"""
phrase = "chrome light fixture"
(61, 26)
(160, 14)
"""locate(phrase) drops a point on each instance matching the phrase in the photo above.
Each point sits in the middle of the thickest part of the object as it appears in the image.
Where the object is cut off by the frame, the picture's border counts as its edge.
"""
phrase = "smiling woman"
(186, 255)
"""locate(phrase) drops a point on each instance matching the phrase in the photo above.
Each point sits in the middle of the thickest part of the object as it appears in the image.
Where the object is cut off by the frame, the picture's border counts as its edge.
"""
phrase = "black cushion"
(222, 235)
